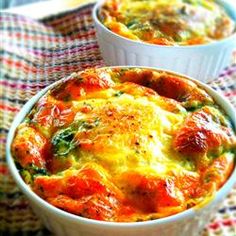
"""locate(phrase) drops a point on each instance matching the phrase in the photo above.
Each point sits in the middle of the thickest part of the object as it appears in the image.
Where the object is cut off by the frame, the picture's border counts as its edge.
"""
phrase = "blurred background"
(33, 8)
(37, 9)
(12, 3)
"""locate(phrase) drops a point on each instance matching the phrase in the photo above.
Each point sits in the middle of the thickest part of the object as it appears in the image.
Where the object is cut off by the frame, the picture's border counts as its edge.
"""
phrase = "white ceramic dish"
(203, 62)
(187, 223)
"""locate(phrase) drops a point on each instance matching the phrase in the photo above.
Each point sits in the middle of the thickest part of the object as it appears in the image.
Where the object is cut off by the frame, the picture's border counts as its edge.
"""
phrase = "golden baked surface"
(125, 145)
(172, 22)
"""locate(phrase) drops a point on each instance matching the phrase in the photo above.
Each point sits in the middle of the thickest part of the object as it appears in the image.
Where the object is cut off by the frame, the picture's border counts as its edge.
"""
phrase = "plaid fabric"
(35, 54)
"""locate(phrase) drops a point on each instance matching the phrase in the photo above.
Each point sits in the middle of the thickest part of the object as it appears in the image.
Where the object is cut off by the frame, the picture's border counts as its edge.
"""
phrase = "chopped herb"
(84, 125)
(125, 69)
(132, 24)
(30, 172)
(183, 10)
(96, 122)
(38, 170)
(27, 120)
(192, 105)
(207, 179)
(26, 176)
(118, 94)
(63, 141)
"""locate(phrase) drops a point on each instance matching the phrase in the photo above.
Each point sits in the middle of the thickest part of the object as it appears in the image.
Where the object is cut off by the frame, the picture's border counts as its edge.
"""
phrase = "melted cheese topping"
(175, 22)
(125, 145)
(135, 132)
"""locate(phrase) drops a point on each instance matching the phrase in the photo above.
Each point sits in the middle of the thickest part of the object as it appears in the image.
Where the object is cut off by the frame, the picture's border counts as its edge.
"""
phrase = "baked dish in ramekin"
(174, 22)
(196, 38)
(124, 149)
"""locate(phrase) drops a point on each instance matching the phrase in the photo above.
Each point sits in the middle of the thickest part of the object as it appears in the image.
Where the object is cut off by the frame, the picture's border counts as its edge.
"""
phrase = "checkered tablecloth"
(33, 55)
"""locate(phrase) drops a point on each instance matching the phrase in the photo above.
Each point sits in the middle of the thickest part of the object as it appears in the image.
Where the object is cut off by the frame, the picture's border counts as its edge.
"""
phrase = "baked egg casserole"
(172, 22)
(125, 145)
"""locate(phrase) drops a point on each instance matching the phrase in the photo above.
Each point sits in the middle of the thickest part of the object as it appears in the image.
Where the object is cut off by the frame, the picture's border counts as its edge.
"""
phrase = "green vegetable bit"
(118, 94)
(26, 176)
(63, 141)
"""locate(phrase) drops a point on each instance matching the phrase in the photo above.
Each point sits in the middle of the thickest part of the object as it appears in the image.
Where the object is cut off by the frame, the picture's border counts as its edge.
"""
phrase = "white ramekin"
(187, 223)
(203, 62)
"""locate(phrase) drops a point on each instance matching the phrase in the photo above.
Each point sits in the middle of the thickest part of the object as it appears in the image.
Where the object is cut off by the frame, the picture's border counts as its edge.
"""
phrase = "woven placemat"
(35, 54)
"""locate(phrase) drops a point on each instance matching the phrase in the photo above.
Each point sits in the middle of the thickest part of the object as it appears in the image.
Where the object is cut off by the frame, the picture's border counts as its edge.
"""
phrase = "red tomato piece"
(200, 133)
(150, 193)
(142, 77)
(83, 193)
(78, 187)
(55, 165)
(173, 87)
(48, 186)
(67, 203)
(86, 109)
(53, 113)
(30, 147)
(168, 86)
(101, 207)
(189, 184)
(91, 172)
(82, 85)
(190, 141)
(98, 207)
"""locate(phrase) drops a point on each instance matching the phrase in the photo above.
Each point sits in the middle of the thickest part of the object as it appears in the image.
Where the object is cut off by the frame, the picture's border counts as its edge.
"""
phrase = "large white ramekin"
(203, 62)
(187, 223)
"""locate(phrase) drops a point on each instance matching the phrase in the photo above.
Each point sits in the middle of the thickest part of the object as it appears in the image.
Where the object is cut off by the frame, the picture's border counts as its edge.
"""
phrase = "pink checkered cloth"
(34, 54)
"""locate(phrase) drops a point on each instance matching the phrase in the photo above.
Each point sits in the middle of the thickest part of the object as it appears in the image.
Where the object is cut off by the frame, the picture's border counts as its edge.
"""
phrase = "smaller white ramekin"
(62, 223)
(203, 62)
